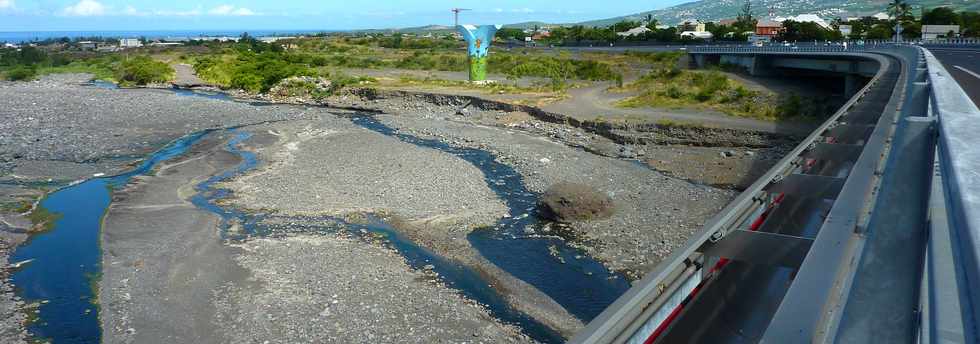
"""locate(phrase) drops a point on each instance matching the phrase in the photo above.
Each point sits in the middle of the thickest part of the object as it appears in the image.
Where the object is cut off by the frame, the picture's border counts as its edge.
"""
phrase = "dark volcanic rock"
(569, 202)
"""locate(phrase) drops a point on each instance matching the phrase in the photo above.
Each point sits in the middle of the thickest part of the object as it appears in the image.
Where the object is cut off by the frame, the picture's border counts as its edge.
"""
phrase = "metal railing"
(638, 312)
(952, 269)
(892, 202)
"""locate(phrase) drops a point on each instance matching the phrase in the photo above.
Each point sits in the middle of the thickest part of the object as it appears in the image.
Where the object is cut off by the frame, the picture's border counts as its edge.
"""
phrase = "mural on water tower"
(478, 39)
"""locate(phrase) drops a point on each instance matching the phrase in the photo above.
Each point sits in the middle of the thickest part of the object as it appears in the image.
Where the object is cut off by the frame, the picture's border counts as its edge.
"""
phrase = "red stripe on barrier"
(722, 262)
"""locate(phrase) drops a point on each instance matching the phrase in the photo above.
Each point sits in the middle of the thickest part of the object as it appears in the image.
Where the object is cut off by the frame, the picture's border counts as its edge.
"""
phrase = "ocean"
(27, 36)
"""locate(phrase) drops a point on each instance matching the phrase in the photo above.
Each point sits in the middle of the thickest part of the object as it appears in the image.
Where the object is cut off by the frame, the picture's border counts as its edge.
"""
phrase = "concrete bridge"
(868, 231)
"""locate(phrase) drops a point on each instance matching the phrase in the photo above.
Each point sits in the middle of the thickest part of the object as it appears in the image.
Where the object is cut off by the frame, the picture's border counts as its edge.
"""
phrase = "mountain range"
(714, 10)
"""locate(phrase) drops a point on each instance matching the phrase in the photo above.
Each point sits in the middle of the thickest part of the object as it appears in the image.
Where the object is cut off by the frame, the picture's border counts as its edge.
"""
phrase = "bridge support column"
(852, 84)
(700, 60)
(478, 39)
(761, 66)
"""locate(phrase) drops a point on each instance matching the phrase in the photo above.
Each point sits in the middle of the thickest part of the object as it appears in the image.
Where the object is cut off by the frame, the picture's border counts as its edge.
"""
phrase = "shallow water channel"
(65, 261)
(65, 265)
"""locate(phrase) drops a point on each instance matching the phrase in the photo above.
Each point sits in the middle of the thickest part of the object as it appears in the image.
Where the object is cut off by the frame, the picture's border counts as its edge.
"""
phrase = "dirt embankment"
(722, 157)
(623, 133)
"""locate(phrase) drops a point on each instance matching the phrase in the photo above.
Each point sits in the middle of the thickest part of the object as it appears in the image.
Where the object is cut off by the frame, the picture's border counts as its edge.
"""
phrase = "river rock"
(570, 202)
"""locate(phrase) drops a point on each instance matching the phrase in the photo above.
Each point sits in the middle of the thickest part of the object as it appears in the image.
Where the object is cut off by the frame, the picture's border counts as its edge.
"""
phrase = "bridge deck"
(830, 245)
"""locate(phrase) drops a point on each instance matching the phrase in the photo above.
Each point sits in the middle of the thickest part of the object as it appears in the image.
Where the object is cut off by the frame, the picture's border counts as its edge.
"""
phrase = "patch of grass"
(93, 284)
(669, 123)
(17, 207)
(100, 71)
(676, 88)
(42, 219)
(498, 88)
(21, 73)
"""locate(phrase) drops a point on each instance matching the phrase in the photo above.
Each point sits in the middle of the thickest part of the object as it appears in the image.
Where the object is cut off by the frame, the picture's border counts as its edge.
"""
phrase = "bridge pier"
(852, 84)
(478, 39)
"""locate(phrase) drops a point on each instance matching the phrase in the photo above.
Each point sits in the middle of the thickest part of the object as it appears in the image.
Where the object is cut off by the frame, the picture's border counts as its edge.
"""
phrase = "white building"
(806, 18)
(88, 45)
(882, 16)
(697, 34)
(273, 39)
(930, 32)
(636, 31)
(166, 44)
(130, 43)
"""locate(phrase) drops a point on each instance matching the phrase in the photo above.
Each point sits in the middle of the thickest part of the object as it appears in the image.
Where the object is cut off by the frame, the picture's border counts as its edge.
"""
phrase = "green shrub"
(21, 73)
(790, 106)
(143, 70)
(704, 95)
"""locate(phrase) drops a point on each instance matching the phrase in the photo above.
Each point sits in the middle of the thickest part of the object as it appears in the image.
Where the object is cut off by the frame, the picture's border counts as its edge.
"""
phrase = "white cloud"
(222, 10)
(229, 10)
(243, 12)
(132, 11)
(6, 4)
(84, 8)
(168, 13)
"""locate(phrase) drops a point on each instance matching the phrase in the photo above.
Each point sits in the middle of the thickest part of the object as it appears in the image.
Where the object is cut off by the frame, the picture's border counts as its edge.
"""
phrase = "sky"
(129, 15)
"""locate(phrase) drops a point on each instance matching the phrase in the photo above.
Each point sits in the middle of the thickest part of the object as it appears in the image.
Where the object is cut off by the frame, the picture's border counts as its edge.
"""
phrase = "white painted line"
(968, 71)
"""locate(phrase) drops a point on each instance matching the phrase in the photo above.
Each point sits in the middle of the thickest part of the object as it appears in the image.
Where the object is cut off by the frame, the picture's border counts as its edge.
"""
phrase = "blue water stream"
(66, 260)
(580, 284)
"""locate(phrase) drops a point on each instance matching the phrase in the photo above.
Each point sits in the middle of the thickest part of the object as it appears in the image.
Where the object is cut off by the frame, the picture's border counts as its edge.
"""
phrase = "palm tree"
(902, 12)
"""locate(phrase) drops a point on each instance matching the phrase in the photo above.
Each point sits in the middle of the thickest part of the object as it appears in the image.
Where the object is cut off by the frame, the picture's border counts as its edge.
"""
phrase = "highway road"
(964, 65)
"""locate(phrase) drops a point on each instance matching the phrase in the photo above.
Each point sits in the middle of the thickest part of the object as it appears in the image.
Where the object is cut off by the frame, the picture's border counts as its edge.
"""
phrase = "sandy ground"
(186, 77)
(162, 257)
(170, 278)
(331, 167)
(355, 293)
(327, 167)
(12, 313)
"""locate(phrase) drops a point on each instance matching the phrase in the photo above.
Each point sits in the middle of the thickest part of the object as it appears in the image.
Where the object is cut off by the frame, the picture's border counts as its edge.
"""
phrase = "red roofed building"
(768, 28)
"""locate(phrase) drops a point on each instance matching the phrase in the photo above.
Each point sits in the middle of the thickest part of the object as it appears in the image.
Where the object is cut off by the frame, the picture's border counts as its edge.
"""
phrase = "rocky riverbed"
(170, 275)
(654, 213)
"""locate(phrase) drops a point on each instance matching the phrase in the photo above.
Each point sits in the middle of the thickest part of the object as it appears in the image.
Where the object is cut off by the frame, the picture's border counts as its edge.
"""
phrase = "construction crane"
(456, 14)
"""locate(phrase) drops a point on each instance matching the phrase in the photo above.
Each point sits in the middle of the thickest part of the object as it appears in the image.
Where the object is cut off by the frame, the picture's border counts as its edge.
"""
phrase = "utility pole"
(456, 14)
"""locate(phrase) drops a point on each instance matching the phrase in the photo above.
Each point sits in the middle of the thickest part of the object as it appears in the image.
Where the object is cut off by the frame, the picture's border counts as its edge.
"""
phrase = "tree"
(511, 33)
(902, 12)
(970, 24)
(940, 16)
(724, 32)
(624, 26)
(802, 31)
(746, 13)
(745, 21)
(652, 24)
(911, 30)
(881, 31)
